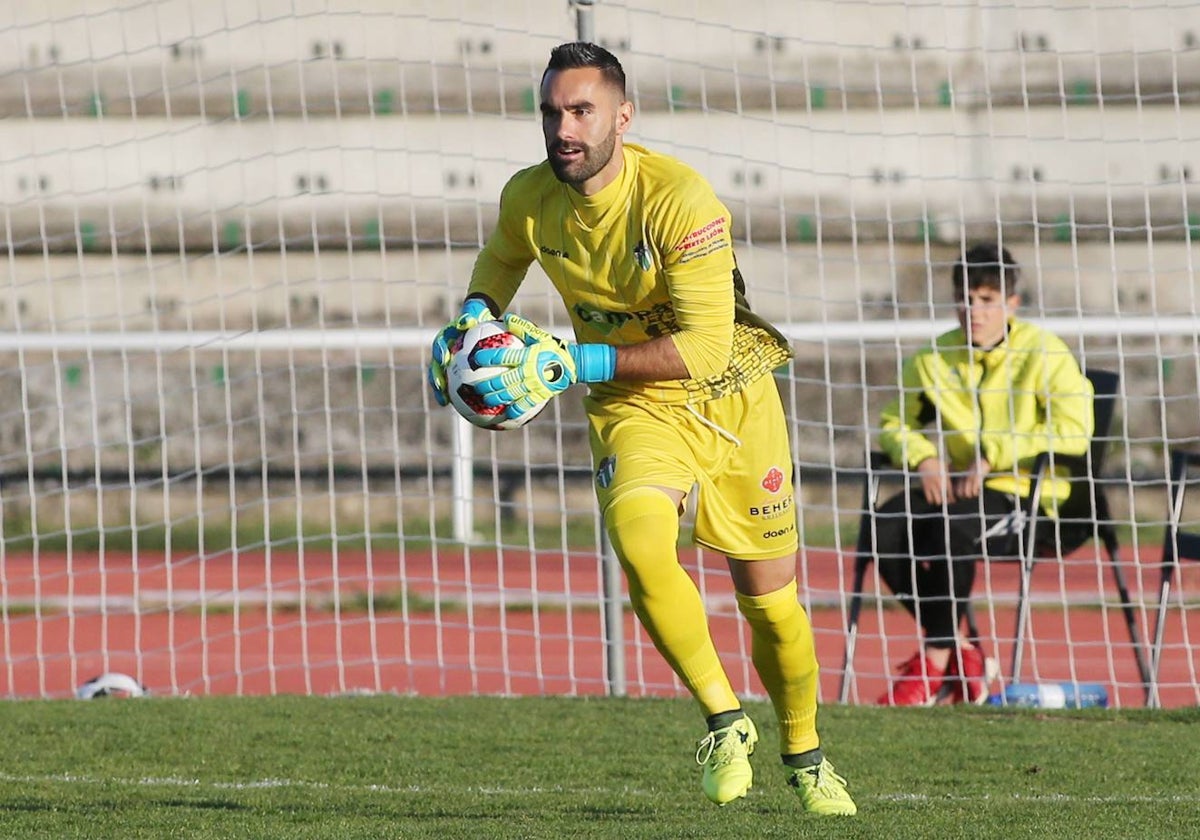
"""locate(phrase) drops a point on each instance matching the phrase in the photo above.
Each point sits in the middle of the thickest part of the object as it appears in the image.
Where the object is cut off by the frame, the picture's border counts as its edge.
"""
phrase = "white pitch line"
(300, 784)
(1036, 798)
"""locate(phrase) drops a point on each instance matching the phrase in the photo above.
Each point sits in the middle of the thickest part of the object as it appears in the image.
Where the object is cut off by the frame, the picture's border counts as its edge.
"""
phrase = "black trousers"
(927, 553)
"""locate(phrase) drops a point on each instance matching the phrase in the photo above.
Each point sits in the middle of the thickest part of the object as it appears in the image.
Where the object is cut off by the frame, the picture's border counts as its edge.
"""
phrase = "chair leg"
(1032, 509)
(860, 574)
(1160, 621)
(1022, 624)
(1114, 561)
(968, 616)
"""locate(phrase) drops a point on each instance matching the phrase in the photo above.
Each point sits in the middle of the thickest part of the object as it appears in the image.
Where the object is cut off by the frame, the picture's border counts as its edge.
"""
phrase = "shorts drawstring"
(729, 436)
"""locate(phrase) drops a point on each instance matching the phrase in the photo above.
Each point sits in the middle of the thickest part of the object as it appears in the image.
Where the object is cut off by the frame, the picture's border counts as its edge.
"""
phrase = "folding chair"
(1177, 545)
(1084, 515)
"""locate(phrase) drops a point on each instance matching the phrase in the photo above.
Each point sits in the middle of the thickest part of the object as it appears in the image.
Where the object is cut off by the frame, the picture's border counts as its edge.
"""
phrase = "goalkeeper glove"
(542, 369)
(473, 311)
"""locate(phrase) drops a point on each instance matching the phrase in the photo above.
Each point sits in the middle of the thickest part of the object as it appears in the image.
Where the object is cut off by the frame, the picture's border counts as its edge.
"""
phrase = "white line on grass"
(1037, 798)
(301, 784)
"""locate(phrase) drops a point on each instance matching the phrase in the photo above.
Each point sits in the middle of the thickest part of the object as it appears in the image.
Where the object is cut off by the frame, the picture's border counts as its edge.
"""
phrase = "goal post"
(233, 229)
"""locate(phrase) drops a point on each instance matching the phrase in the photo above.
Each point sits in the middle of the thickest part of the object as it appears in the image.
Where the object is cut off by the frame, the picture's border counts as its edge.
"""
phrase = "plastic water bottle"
(1052, 696)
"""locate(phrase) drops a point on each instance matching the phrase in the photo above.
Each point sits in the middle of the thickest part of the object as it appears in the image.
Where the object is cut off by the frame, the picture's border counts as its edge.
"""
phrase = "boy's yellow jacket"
(1007, 404)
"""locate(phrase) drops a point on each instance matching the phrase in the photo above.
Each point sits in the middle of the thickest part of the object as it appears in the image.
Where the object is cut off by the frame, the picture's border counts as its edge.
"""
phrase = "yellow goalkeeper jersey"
(649, 255)
(1007, 404)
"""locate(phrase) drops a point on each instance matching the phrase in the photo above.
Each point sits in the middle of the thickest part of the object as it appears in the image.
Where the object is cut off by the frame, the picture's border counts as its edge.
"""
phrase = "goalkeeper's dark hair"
(986, 264)
(585, 54)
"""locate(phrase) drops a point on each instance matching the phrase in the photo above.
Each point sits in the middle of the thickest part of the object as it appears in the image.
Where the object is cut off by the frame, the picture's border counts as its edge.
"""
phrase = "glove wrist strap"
(594, 362)
(477, 309)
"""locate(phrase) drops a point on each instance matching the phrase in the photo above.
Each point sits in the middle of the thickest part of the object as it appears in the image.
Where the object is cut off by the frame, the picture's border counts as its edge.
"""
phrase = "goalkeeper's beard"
(594, 159)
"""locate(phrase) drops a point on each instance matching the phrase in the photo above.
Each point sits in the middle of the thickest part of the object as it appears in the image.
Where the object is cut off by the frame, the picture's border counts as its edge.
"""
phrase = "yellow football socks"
(786, 660)
(643, 525)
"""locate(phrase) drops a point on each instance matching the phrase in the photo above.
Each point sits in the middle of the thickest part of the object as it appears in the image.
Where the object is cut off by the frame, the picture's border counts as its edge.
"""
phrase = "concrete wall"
(322, 163)
(200, 126)
(201, 406)
(170, 183)
(999, 43)
(418, 288)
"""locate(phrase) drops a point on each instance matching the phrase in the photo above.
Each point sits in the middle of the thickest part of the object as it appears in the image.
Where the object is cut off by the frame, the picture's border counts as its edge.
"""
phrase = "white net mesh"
(232, 229)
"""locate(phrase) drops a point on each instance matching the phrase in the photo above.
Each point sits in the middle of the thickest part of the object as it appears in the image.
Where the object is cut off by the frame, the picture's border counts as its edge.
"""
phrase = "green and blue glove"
(473, 311)
(544, 368)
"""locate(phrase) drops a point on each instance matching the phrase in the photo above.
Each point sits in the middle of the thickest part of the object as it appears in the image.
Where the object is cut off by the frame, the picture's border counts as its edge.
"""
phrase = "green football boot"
(821, 790)
(725, 756)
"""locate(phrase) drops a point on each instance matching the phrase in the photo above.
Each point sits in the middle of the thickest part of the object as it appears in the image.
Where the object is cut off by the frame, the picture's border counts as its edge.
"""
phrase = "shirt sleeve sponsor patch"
(704, 240)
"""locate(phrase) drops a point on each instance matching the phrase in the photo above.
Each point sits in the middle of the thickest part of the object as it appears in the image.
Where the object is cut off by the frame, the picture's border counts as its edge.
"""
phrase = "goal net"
(233, 228)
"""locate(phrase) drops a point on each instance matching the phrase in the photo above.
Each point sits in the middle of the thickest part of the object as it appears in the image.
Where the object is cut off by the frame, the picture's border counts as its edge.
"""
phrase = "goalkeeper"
(681, 395)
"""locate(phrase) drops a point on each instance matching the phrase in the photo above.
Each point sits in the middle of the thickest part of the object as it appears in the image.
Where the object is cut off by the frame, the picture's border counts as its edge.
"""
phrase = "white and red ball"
(462, 374)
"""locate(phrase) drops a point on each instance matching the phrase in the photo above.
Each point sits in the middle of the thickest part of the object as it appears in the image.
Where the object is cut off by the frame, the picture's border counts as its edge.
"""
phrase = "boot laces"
(716, 747)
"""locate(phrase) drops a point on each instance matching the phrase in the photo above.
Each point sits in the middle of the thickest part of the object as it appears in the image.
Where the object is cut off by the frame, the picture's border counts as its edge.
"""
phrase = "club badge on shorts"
(642, 254)
(606, 470)
(773, 480)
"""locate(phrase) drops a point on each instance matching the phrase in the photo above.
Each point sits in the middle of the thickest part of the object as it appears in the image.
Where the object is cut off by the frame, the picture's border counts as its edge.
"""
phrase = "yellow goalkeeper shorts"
(734, 449)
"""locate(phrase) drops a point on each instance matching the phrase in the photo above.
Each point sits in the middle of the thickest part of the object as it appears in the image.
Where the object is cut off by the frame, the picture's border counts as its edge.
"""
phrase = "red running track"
(488, 622)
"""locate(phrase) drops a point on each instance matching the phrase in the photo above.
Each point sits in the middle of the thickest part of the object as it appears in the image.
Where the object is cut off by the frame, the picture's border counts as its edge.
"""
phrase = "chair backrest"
(1087, 503)
(1105, 383)
(1179, 544)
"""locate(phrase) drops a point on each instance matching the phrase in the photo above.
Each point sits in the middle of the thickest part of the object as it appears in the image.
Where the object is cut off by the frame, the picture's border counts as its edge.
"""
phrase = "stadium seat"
(1177, 545)
(1084, 516)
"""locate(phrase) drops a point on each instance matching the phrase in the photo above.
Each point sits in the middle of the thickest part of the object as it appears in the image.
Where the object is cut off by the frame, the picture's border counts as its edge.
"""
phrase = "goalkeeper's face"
(583, 118)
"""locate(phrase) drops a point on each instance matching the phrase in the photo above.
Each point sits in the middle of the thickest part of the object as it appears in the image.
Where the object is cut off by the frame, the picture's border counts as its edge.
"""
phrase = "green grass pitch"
(403, 767)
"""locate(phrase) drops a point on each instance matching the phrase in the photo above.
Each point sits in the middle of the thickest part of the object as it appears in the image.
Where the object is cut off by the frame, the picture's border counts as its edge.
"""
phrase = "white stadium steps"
(1085, 173)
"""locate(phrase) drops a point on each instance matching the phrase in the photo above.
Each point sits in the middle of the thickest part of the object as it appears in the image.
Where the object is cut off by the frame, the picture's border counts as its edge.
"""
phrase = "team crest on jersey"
(773, 480)
(642, 254)
(603, 321)
(606, 471)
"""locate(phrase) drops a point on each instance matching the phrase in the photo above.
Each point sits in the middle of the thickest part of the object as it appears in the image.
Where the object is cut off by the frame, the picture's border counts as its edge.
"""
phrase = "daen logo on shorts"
(781, 532)
(773, 480)
(606, 471)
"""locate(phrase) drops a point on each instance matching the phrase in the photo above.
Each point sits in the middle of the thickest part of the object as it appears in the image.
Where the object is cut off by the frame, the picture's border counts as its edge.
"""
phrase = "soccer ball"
(462, 374)
(111, 684)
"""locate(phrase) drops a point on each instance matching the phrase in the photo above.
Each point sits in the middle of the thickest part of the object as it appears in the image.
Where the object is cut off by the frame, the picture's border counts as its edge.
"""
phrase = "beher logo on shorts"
(773, 480)
(606, 470)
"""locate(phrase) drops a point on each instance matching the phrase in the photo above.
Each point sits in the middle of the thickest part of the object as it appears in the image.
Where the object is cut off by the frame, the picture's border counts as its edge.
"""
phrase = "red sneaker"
(917, 683)
(970, 684)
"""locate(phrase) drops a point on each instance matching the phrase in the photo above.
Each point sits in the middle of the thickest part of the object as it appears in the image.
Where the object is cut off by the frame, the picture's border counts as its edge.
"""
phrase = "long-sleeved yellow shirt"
(1007, 404)
(649, 255)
